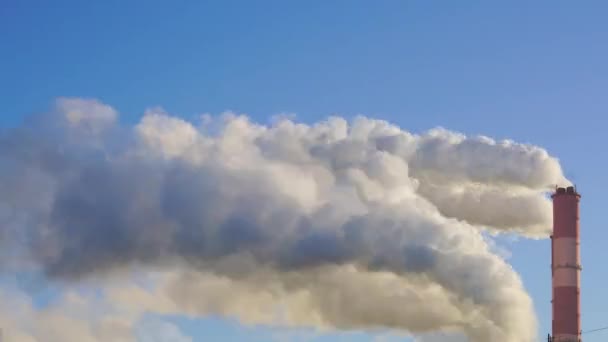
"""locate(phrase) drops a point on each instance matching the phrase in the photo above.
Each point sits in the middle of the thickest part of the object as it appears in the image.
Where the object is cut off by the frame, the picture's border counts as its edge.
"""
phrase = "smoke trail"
(337, 224)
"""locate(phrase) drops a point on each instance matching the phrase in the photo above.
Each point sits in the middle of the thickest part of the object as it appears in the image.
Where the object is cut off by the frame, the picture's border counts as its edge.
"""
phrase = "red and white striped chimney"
(566, 266)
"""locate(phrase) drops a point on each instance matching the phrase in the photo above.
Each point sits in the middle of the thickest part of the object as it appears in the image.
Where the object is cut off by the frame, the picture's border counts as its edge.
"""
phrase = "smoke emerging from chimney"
(339, 224)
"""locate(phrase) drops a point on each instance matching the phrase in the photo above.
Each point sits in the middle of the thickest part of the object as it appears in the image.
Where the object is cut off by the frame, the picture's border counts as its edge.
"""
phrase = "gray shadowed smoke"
(338, 224)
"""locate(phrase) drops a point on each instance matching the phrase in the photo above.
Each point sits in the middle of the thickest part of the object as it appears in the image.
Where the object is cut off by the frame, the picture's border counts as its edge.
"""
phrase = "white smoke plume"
(336, 225)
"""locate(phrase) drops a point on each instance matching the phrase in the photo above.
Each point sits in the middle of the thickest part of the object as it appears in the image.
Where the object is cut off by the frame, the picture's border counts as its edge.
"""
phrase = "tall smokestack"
(566, 266)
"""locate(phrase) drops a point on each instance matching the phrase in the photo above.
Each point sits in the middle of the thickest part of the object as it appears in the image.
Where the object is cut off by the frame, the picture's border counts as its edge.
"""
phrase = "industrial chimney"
(566, 266)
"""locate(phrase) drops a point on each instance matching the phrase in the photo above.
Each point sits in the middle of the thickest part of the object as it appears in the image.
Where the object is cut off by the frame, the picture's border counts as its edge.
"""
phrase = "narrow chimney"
(566, 266)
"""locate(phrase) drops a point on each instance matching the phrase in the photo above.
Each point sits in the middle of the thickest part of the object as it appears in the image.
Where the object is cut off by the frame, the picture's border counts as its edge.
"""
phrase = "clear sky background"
(534, 72)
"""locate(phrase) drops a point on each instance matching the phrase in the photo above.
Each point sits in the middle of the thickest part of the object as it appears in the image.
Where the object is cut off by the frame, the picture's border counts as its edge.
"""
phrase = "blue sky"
(530, 71)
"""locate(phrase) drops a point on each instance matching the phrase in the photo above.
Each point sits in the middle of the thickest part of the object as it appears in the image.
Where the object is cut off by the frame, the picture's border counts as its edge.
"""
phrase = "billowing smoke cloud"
(348, 225)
